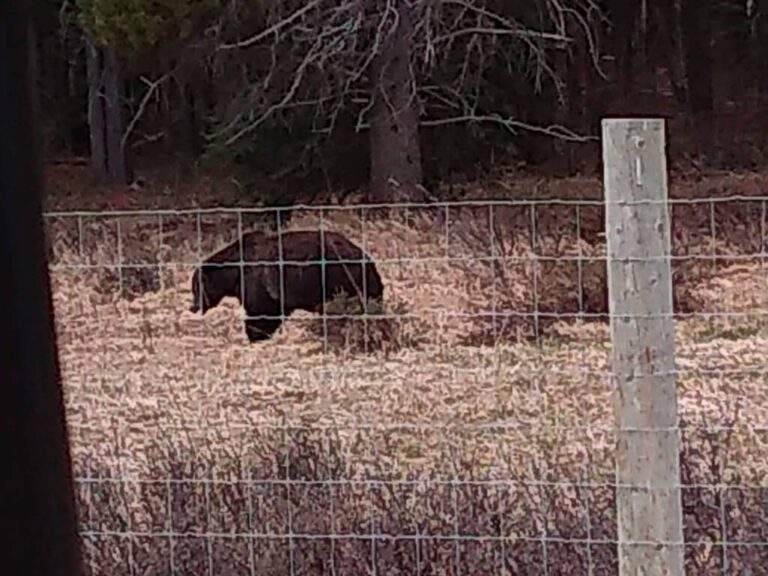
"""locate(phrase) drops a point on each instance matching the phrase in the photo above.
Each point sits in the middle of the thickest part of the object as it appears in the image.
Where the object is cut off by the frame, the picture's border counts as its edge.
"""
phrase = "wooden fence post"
(643, 341)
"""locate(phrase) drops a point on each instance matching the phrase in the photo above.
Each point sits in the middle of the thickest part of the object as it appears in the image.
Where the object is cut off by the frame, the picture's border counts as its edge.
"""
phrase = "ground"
(442, 422)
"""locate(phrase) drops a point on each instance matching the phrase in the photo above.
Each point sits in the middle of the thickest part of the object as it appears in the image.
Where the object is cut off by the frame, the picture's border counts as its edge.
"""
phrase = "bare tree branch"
(512, 125)
(272, 29)
(474, 30)
(153, 85)
(320, 56)
(286, 99)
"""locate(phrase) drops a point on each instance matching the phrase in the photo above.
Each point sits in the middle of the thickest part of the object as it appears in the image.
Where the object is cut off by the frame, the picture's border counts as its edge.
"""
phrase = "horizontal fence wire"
(195, 450)
(420, 482)
(405, 205)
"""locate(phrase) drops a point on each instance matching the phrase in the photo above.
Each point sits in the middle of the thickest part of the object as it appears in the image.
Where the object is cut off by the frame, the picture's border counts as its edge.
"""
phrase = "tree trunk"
(698, 56)
(396, 169)
(105, 114)
(677, 52)
(190, 115)
(759, 46)
(117, 161)
(622, 13)
(96, 111)
(76, 127)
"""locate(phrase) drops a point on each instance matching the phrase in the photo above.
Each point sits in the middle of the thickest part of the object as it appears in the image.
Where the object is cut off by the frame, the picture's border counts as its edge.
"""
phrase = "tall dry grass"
(484, 443)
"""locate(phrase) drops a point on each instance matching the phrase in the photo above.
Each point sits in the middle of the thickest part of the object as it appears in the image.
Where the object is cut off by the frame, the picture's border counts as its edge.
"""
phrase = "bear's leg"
(262, 329)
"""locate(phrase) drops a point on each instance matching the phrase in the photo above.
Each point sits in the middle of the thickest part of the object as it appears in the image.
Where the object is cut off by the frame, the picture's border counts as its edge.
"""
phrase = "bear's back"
(297, 246)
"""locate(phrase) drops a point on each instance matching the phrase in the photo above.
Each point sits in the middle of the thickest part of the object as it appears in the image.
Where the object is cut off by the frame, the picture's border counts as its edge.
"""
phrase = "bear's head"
(210, 285)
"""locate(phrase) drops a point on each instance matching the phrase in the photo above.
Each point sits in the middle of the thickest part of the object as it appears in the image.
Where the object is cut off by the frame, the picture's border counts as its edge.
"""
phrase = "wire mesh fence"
(465, 426)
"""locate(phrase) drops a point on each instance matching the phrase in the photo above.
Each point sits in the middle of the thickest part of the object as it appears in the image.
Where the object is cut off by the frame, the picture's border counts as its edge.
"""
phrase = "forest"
(270, 102)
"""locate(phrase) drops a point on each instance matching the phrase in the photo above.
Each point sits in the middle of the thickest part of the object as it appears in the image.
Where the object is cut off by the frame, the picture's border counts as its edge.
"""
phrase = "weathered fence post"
(642, 333)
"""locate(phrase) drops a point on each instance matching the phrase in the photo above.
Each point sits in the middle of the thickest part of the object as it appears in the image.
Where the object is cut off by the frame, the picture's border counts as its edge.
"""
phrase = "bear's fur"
(259, 290)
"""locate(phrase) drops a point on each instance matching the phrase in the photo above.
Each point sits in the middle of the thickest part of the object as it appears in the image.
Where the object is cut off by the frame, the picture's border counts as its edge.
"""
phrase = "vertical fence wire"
(365, 266)
(324, 292)
(494, 264)
(159, 259)
(535, 268)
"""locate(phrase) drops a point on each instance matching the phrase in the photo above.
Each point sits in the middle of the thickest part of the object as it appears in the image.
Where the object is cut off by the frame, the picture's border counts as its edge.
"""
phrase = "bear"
(255, 280)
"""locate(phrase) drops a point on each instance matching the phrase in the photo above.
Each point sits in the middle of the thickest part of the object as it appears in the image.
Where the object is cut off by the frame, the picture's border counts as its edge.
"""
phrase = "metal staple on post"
(650, 535)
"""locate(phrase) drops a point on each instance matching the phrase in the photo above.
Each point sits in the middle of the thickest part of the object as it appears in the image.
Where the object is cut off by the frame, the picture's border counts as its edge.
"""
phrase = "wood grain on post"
(642, 334)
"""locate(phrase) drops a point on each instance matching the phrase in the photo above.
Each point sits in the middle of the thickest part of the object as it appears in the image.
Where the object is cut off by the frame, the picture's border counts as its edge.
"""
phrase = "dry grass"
(438, 392)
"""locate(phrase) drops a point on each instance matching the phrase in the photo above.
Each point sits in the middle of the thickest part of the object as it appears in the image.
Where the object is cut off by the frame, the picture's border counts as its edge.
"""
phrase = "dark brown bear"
(267, 301)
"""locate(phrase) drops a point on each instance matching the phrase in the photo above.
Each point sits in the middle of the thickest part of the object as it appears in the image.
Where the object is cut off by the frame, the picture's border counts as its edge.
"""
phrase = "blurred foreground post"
(642, 335)
(37, 512)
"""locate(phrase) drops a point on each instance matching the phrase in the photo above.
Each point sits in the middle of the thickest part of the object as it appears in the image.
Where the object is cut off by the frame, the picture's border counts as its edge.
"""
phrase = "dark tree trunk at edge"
(37, 494)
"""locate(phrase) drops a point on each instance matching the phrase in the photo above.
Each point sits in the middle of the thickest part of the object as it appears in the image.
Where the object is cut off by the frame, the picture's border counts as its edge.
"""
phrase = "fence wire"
(466, 427)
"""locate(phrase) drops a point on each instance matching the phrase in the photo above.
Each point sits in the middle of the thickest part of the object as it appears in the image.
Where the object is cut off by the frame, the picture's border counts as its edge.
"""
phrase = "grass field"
(479, 448)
